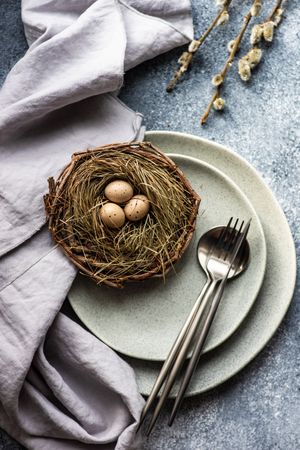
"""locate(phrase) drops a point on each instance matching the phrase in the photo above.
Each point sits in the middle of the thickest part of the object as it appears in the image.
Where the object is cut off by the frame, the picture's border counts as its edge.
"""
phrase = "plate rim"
(292, 250)
(249, 205)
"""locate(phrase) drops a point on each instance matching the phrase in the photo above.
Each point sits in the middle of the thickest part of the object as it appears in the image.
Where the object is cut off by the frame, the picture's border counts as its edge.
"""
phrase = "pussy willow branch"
(227, 65)
(272, 13)
(260, 32)
(188, 56)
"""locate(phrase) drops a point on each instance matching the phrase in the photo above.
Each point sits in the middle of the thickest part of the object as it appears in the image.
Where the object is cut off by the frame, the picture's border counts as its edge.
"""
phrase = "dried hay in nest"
(138, 250)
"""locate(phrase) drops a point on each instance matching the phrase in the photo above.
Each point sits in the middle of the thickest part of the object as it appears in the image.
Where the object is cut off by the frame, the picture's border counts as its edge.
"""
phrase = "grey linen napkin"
(60, 387)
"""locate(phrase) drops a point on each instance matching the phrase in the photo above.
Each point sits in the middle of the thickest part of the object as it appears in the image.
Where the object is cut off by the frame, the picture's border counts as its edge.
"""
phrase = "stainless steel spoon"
(207, 248)
(209, 240)
(217, 272)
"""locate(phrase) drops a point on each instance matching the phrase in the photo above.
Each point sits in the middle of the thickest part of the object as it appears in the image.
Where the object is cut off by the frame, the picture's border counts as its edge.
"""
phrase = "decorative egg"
(118, 191)
(137, 208)
(112, 215)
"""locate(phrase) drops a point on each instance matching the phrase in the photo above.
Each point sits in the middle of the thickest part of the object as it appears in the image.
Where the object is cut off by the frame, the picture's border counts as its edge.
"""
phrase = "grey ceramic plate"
(278, 286)
(143, 319)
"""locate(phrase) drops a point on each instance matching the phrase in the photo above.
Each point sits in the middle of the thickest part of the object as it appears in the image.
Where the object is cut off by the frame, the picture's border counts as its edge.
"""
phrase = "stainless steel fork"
(193, 362)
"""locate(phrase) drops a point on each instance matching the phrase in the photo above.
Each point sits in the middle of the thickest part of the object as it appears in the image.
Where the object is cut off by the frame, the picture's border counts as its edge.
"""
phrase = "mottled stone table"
(258, 409)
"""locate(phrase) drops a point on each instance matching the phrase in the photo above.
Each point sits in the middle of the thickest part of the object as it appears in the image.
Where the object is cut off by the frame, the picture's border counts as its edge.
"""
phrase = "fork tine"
(239, 232)
(242, 235)
(235, 235)
(223, 237)
(235, 241)
(231, 237)
(227, 241)
(223, 233)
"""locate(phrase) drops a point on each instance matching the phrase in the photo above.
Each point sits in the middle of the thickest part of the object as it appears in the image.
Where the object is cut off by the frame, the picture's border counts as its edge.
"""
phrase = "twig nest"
(104, 245)
(118, 191)
(137, 208)
(112, 215)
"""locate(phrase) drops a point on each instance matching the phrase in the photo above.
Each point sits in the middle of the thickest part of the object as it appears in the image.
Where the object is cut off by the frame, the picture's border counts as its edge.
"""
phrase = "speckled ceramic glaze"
(143, 319)
(279, 283)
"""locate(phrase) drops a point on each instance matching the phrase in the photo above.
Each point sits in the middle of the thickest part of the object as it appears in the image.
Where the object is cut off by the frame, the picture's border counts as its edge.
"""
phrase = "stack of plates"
(142, 320)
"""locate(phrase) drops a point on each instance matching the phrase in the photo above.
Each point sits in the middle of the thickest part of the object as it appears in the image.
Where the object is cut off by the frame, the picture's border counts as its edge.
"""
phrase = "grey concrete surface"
(258, 409)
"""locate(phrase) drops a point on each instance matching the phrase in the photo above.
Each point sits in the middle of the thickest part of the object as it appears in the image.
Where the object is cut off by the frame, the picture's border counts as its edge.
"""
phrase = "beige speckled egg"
(118, 191)
(137, 208)
(112, 215)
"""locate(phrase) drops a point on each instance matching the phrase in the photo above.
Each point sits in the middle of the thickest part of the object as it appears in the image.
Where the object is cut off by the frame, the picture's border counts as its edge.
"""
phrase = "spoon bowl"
(209, 240)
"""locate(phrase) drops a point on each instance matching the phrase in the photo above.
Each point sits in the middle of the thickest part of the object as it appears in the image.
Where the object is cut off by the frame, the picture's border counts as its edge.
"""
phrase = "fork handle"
(182, 353)
(174, 351)
(198, 349)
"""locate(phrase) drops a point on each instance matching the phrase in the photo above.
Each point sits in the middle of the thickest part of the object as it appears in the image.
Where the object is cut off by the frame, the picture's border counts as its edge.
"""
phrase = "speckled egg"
(118, 191)
(112, 215)
(137, 208)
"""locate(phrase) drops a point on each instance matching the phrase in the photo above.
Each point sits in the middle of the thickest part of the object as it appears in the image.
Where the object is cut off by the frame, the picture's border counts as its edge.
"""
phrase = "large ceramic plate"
(143, 319)
(278, 286)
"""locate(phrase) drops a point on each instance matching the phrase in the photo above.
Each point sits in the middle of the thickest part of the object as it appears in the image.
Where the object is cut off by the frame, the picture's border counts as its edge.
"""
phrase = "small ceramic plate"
(143, 319)
(277, 290)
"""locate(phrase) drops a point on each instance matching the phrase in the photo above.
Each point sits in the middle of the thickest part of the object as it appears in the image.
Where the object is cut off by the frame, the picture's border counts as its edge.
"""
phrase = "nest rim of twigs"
(74, 199)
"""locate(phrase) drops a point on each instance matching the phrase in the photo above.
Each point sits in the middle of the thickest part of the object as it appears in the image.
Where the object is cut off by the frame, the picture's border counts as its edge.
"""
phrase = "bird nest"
(138, 250)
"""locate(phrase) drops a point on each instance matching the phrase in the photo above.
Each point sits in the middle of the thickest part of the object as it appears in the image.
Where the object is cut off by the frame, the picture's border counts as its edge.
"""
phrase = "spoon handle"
(174, 351)
(193, 362)
(183, 351)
